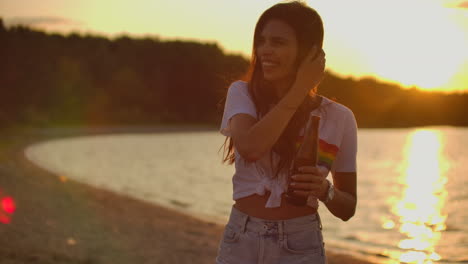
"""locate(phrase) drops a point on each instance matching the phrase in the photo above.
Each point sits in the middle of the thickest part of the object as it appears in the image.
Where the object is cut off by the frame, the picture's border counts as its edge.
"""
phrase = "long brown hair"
(308, 28)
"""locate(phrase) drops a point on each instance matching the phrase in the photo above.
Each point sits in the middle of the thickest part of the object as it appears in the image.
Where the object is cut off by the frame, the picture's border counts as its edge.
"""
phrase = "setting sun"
(414, 43)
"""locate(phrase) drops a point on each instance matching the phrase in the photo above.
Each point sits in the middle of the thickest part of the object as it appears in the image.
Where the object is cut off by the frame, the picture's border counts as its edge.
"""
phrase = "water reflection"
(420, 209)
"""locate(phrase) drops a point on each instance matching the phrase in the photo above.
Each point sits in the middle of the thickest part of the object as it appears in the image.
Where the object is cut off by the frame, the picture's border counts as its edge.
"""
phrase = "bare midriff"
(254, 205)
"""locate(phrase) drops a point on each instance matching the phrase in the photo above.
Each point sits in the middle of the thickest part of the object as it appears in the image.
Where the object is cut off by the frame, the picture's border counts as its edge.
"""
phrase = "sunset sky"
(412, 42)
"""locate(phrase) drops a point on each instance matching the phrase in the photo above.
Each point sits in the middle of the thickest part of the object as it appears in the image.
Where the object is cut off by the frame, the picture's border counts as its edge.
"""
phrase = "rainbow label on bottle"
(326, 152)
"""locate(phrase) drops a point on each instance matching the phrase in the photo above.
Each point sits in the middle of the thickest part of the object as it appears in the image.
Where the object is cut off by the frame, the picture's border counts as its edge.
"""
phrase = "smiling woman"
(264, 117)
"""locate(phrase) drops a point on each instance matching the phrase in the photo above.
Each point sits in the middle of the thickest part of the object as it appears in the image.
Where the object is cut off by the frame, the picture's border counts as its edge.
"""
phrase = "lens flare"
(8, 205)
(7, 208)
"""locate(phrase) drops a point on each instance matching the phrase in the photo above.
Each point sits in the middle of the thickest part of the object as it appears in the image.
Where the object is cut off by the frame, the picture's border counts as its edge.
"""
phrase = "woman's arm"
(253, 138)
(343, 204)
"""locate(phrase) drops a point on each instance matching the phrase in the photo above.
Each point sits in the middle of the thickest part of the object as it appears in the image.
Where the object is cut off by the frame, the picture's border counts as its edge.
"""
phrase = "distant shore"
(63, 221)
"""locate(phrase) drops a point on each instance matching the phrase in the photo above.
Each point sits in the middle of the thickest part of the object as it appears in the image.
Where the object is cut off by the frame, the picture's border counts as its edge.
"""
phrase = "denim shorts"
(251, 240)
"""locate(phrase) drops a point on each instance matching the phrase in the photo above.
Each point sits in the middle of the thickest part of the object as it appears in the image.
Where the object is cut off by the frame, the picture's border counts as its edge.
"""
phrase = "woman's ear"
(314, 52)
(309, 55)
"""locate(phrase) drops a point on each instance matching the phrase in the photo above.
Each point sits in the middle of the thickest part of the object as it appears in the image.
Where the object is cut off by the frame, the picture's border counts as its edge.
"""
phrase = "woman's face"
(277, 51)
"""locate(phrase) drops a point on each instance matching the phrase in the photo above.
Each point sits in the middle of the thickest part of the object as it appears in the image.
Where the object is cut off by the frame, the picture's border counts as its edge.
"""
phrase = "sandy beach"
(58, 220)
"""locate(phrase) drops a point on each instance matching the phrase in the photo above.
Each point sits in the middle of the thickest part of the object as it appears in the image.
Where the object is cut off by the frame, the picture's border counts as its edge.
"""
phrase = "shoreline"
(59, 221)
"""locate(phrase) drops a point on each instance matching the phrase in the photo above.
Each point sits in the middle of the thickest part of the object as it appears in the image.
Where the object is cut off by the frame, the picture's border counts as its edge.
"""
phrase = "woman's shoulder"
(339, 114)
(239, 84)
(239, 88)
(336, 107)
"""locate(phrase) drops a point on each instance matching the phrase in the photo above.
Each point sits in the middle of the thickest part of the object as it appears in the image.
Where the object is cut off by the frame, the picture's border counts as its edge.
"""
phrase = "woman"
(263, 121)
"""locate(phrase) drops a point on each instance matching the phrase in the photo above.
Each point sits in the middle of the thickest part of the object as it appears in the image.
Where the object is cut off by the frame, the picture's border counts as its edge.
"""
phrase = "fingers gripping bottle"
(306, 155)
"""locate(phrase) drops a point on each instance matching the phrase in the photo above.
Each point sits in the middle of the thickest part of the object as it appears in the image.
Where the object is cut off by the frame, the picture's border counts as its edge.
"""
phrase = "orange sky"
(412, 42)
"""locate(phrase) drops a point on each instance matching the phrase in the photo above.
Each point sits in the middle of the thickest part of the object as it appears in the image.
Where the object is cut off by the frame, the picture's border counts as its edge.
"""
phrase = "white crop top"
(337, 146)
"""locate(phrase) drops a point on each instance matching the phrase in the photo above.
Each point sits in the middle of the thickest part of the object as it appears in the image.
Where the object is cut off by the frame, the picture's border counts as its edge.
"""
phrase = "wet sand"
(58, 220)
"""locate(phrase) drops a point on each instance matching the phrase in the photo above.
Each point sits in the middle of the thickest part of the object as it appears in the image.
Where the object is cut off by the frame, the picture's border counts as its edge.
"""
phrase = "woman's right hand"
(310, 72)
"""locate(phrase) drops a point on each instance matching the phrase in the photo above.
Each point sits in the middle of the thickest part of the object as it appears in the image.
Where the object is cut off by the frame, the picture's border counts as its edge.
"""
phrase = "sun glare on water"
(421, 207)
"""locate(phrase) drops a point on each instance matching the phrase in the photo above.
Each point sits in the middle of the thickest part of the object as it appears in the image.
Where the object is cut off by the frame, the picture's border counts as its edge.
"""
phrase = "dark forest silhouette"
(51, 79)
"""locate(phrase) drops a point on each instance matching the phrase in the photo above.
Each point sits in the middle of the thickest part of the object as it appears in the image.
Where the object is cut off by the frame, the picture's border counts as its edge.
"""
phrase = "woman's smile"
(269, 65)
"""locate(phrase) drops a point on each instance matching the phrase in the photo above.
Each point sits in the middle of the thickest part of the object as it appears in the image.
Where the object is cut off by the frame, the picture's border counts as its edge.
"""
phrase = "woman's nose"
(265, 49)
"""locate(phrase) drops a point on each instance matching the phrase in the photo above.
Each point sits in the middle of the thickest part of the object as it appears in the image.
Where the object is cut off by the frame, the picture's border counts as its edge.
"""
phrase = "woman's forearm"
(343, 205)
(255, 140)
(260, 137)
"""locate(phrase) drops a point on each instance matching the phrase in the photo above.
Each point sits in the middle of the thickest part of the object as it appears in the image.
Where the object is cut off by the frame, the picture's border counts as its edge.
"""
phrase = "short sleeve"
(238, 101)
(346, 157)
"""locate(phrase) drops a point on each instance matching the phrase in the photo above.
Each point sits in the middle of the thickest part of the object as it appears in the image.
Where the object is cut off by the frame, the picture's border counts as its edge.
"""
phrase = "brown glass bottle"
(306, 155)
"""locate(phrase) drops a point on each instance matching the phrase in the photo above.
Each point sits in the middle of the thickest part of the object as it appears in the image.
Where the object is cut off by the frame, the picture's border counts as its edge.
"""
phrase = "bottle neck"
(309, 146)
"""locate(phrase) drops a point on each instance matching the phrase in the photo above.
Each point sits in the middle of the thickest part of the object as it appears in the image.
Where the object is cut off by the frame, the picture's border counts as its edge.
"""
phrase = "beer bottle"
(306, 155)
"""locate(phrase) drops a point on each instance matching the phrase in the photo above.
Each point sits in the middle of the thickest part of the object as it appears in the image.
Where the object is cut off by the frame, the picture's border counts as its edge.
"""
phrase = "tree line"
(52, 79)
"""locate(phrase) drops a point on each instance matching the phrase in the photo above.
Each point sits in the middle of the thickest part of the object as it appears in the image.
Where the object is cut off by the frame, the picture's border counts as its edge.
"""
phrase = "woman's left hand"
(310, 181)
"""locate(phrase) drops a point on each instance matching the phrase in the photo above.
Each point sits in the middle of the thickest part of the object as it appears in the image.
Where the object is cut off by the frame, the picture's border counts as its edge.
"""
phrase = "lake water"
(412, 185)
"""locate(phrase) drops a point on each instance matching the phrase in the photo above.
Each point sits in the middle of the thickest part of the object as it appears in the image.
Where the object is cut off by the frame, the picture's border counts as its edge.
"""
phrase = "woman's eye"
(260, 41)
(278, 42)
